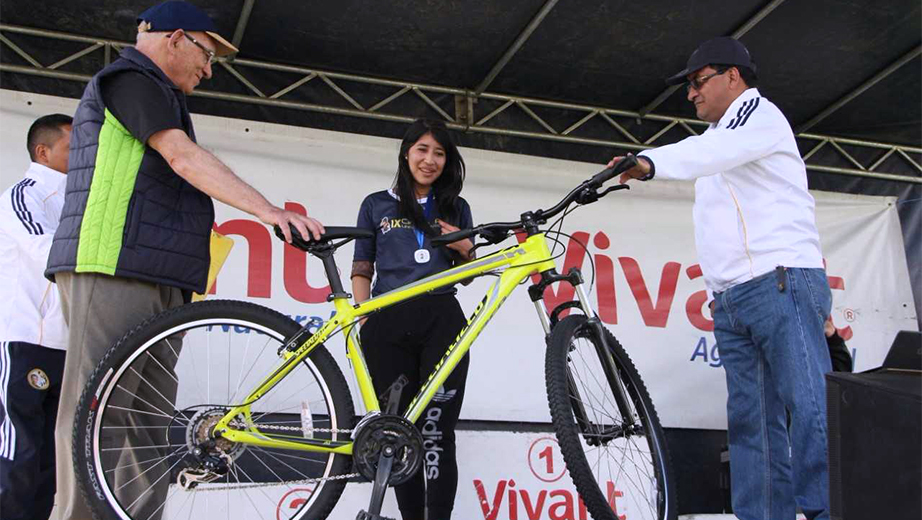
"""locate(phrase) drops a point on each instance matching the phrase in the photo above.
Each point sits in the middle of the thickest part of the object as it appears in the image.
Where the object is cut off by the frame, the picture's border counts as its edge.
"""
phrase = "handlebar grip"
(605, 175)
(454, 236)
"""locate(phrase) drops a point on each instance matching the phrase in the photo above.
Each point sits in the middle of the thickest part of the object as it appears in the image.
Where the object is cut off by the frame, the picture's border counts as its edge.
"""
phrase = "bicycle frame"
(521, 261)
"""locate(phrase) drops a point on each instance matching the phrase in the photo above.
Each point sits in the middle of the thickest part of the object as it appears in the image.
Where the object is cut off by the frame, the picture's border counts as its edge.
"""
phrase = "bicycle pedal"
(368, 516)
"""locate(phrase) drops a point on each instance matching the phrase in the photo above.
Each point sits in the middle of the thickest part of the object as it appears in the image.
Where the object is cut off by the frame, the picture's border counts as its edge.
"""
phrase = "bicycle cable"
(588, 255)
(559, 232)
(559, 224)
(550, 231)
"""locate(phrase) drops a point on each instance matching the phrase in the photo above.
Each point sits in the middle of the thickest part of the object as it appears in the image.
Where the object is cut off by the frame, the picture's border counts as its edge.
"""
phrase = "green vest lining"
(118, 159)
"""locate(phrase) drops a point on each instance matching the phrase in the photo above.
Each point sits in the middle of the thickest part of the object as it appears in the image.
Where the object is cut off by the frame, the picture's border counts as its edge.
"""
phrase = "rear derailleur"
(211, 466)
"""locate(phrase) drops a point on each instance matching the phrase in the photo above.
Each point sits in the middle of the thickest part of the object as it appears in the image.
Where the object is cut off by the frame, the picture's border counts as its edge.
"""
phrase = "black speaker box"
(905, 351)
(875, 445)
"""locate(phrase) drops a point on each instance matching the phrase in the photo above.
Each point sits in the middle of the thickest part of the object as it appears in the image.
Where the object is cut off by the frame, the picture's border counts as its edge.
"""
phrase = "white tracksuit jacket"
(752, 210)
(30, 307)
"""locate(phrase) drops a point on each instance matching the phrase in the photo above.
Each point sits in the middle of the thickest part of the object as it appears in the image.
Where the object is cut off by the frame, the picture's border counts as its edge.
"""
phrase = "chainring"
(383, 430)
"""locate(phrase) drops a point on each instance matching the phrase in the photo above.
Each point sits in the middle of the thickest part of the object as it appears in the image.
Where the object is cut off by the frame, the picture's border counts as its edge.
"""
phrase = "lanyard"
(427, 212)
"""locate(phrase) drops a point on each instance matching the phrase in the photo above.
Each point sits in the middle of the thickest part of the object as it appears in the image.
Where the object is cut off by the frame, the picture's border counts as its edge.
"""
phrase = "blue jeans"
(774, 352)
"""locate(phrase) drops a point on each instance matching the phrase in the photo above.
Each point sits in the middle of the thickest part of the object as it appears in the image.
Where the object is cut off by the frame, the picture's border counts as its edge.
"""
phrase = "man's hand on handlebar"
(461, 246)
(640, 170)
(279, 217)
(586, 193)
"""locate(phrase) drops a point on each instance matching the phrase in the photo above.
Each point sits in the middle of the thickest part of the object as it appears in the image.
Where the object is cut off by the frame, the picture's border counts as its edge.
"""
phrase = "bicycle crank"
(393, 434)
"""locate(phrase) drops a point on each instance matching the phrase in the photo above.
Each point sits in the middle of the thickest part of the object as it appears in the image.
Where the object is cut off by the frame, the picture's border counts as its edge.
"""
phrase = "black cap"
(717, 51)
(176, 14)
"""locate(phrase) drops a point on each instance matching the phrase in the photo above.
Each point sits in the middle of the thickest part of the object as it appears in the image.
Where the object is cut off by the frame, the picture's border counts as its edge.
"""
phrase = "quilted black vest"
(126, 212)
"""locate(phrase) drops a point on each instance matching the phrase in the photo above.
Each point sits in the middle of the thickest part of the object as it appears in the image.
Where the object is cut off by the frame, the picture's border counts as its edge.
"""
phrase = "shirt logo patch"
(389, 223)
(38, 379)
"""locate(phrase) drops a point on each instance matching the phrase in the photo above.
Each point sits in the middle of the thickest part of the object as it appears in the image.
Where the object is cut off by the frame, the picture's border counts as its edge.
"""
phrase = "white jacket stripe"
(22, 211)
(7, 431)
(29, 214)
(745, 111)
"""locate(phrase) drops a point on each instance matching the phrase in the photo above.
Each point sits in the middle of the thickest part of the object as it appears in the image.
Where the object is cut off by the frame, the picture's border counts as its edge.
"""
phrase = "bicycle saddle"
(332, 233)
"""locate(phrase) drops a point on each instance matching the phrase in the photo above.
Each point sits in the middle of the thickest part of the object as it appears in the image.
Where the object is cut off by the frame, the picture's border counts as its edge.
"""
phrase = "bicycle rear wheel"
(615, 454)
(142, 431)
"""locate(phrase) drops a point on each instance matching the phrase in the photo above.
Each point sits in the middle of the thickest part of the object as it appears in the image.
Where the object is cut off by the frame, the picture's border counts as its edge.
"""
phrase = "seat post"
(329, 265)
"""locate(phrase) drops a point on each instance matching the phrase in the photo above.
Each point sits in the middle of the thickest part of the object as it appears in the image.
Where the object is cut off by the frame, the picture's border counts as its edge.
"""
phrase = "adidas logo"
(442, 396)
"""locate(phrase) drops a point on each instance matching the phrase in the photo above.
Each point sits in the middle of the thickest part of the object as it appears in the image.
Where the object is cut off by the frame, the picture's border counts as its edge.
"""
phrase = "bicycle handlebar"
(585, 193)
(608, 173)
(454, 236)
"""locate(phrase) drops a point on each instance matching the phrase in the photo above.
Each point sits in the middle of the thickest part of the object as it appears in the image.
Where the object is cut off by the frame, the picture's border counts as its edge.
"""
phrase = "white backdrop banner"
(648, 286)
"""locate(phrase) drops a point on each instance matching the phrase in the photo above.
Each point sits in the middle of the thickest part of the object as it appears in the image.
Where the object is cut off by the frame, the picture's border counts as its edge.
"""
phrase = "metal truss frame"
(464, 118)
(737, 34)
(890, 69)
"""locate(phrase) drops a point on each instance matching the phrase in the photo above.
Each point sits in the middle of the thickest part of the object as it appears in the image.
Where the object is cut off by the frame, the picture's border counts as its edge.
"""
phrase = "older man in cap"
(136, 223)
(759, 251)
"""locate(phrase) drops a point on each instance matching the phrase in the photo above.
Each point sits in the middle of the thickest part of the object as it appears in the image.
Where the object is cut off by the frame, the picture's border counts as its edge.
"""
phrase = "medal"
(421, 255)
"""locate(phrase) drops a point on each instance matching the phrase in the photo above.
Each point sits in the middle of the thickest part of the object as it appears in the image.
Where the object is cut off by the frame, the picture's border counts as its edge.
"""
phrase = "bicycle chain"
(286, 482)
(300, 429)
(305, 481)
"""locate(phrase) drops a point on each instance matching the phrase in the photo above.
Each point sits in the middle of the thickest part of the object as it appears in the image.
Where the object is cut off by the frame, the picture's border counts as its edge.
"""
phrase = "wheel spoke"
(151, 487)
(218, 362)
(152, 466)
(614, 456)
(275, 456)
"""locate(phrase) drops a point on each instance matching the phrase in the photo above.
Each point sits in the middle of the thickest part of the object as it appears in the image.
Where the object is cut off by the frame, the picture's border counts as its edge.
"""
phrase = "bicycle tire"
(616, 471)
(255, 476)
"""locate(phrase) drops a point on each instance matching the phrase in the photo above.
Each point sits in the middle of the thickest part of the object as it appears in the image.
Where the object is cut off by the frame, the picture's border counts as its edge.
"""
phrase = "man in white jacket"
(759, 250)
(33, 335)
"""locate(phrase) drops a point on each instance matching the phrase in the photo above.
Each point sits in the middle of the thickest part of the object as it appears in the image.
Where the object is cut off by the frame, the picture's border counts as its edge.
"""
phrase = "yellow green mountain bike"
(261, 410)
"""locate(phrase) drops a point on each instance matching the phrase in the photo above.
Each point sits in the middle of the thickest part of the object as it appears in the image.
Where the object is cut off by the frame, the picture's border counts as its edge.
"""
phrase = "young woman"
(409, 339)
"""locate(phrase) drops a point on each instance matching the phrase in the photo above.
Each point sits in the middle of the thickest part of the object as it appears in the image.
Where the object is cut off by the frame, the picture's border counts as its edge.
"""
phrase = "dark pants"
(409, 339)
(30, 387)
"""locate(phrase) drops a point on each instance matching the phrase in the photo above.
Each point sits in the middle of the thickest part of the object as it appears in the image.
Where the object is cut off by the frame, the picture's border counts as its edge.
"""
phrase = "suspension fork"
(603, 349)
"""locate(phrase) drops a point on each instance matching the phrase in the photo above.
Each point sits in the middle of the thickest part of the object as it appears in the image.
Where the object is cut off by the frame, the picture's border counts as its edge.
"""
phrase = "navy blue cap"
(717, 51)
(176, 14)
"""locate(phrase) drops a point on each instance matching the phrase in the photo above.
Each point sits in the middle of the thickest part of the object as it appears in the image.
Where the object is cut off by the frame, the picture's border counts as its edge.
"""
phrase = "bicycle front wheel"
(609, 434)
(143, 443)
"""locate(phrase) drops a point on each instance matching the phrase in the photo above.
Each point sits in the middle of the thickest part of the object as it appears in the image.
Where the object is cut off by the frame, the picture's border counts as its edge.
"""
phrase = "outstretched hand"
(307, 226)
(642, 169)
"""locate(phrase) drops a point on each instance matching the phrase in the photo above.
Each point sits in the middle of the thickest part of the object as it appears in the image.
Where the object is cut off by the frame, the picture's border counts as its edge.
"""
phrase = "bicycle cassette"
(199, 436)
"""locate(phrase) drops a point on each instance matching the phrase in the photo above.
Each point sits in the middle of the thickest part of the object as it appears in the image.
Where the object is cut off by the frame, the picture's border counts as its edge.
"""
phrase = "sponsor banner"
(504, 476)
(639, 252)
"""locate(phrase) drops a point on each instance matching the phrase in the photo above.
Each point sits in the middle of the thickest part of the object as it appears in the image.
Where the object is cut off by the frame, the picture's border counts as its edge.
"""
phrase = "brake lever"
(589, 194)
(490, 237)
(477, 246)
(616, 187)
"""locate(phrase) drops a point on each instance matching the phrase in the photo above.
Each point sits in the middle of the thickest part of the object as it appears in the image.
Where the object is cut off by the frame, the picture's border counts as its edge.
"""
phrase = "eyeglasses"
(209, 54)
(697, 83)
